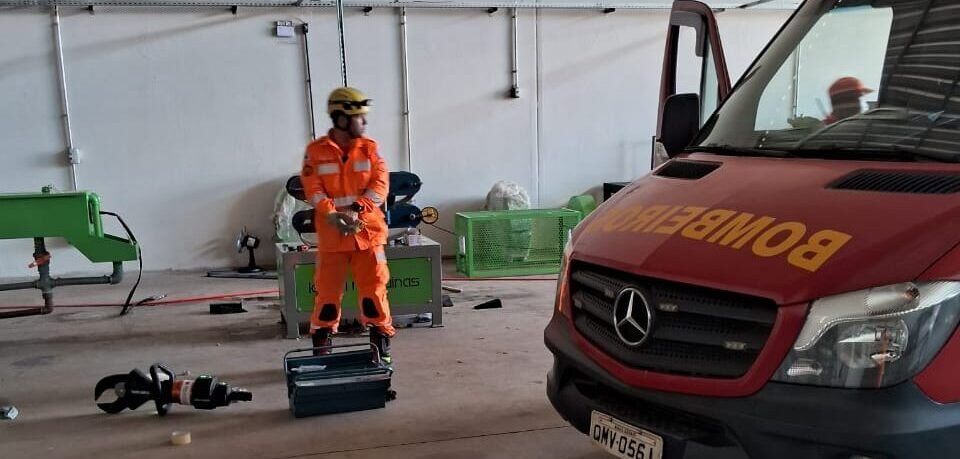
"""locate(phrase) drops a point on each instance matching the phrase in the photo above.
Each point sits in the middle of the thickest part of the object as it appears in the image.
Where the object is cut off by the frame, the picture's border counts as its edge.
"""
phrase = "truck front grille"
(695, 331)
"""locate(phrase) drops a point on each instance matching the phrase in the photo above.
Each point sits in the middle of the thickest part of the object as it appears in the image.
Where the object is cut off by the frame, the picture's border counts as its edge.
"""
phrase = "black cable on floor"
(442, 229)
(126, 304)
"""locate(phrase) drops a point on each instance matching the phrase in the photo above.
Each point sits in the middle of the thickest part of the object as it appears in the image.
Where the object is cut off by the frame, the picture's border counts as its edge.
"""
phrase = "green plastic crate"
(513, 242)
(584, 203)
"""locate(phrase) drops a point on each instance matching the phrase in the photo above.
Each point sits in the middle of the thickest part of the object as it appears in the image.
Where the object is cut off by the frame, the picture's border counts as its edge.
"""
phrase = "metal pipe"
(18, 286)
(24, 313)
(343, 50)
(117, 275)
(571, 5)
(538, 138)
(46, 284)
(405, 76)
(114, 278)
(64, 100)
(795, 101)
(515, 58)
(309, 81)
(94, 280)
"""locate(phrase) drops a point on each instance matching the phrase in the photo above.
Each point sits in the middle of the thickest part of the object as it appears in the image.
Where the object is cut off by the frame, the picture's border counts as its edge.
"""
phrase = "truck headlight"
(873, 338)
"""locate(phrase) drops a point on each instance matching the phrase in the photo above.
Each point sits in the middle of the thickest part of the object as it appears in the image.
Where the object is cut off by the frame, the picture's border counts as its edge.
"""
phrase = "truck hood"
(771, 227)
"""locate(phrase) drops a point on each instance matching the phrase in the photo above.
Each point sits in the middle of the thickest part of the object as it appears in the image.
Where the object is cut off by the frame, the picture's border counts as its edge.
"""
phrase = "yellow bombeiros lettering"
(740, 229)
(727, 228)
(662, 217)
(643, 218)
(707, 223)
(818, 249)
(794, 232)
(679, 221)
(618, 221)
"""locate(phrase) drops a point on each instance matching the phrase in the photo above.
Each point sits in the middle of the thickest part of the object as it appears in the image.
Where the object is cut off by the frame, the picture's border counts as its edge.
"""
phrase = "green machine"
(74, 216)
(414, 287)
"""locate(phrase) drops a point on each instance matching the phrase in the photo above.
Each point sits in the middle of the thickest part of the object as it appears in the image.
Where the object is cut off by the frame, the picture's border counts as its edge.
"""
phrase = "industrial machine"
(414, 288)
(73, 216)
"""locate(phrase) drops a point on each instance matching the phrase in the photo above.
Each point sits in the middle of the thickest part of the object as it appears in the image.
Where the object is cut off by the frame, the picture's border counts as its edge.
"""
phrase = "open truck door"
(682, 114)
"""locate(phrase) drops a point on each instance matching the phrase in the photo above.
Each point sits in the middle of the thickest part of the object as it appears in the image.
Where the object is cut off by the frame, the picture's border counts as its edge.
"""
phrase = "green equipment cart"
(73, 216)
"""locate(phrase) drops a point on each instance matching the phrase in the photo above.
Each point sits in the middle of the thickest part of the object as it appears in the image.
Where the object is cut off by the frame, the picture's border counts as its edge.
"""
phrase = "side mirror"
(680, 122)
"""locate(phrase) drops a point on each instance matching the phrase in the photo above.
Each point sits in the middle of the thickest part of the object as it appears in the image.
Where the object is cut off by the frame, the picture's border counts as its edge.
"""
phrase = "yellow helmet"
(348, 100)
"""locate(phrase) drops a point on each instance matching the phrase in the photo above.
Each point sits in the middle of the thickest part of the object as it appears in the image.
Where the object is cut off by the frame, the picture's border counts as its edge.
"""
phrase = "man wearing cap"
(346, 180)
(845, 94)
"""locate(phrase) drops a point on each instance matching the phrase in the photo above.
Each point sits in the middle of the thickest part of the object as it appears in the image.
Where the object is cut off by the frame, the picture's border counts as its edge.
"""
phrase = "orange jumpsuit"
(332, 183)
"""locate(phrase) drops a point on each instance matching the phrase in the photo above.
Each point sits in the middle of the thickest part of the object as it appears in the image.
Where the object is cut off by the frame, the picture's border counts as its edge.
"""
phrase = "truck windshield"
(851, 79)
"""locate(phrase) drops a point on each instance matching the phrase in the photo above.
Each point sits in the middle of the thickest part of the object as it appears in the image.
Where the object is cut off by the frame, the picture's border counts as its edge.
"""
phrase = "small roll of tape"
(180, 438)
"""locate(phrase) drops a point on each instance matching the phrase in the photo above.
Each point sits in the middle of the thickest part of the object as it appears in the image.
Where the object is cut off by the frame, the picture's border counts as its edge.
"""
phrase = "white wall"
(745, 33)
(190, 120)
(468, 133)
(29, 129)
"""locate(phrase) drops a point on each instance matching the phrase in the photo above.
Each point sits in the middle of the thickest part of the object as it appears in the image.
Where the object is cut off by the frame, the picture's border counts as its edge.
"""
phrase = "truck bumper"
(779, 421)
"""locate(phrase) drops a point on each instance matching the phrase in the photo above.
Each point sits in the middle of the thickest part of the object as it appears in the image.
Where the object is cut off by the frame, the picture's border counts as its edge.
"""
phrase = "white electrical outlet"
(73, 155)
(285, 29)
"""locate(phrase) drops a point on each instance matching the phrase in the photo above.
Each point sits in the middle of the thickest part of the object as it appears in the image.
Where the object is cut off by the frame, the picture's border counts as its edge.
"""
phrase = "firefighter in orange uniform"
(346, 180)
(845, 94)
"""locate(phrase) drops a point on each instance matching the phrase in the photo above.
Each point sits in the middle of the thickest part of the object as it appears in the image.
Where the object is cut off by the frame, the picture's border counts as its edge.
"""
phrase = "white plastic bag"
(507, 196)
(517, 231)
(284, 207)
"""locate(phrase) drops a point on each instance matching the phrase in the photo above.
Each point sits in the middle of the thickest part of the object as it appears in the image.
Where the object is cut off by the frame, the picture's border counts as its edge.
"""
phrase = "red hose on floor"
(516, 279)
(189, 299)
(196, 299)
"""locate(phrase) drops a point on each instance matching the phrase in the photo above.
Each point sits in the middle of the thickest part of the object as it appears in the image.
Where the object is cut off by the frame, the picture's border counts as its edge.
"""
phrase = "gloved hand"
(338, 221)
(356, 224)
(351, 217)
(346, 222)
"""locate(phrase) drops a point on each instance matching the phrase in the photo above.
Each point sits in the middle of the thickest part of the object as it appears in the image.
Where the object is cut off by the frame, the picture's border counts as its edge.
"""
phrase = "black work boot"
(321, 337)
(382, 341)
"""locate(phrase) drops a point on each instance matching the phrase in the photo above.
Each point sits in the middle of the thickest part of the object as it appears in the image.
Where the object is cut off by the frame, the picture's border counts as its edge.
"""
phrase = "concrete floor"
(474, 388)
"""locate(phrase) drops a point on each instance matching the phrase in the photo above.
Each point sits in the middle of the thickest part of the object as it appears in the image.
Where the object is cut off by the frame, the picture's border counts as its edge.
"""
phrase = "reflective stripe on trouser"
(370, 274)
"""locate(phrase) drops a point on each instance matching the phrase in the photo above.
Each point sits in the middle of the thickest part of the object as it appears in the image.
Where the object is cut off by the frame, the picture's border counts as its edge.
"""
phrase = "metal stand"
(46, 283)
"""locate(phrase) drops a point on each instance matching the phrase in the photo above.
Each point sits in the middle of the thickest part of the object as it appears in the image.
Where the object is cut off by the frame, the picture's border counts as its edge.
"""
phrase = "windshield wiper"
(731, 150)
(894, 153)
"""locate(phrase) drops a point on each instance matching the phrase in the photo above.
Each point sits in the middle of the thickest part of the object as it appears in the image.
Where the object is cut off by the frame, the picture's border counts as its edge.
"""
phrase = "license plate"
(624, 440)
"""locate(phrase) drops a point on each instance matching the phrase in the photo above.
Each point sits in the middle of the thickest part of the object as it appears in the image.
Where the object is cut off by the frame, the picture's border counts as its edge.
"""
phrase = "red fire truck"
(787, 283)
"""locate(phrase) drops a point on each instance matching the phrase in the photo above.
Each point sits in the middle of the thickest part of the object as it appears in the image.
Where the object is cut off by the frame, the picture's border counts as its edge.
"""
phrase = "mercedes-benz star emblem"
(632, 316)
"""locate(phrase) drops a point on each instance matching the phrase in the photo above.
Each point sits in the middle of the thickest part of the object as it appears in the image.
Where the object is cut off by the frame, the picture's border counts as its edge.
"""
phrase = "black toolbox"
(338, 382)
